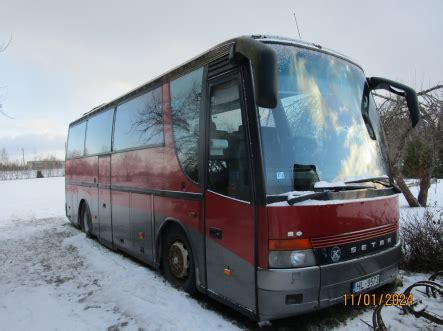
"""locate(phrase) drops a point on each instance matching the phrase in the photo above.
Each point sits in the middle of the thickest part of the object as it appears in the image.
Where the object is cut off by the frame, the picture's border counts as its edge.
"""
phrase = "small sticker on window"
(280, 175)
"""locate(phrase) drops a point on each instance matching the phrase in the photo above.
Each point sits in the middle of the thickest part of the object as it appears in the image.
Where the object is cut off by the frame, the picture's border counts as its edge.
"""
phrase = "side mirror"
(377, 83)
(264, 65)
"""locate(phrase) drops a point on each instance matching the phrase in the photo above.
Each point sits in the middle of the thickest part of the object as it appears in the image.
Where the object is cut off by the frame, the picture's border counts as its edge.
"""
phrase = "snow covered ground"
(53, 278)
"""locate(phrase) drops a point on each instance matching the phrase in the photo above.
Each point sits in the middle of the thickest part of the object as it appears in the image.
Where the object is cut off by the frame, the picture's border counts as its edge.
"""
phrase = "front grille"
(351, 237)
(340, 252)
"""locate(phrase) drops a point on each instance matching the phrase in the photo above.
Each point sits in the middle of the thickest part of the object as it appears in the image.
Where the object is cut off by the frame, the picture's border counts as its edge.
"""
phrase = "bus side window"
(228, 161)
(98, 133)
(76, 140)
(139, 121)
(185, 109)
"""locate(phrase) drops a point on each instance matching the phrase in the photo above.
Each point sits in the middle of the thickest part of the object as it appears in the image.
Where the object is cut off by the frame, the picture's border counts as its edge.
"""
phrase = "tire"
(178, 261)
(86, 221)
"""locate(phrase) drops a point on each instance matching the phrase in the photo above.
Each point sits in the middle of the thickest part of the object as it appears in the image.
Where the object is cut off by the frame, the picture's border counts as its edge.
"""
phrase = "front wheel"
(177, 260)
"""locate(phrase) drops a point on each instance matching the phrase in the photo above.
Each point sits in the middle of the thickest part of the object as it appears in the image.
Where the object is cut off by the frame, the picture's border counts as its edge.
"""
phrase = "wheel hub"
(178, 259)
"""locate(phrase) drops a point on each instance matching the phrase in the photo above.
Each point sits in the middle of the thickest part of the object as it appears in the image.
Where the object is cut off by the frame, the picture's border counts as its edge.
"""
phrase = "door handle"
(215, 233)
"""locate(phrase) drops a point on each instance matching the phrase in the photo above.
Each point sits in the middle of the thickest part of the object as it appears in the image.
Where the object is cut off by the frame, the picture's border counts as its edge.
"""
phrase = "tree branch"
(436, 87)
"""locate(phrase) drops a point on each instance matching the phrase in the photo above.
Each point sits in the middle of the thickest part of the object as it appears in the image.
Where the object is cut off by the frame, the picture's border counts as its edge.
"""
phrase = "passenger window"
(98, 133)
(139, 121)
(76, 140)
(228, 158)
(185, 108)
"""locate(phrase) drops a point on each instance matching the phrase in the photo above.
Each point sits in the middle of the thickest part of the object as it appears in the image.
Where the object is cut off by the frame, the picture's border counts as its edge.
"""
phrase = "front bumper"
(319, 286)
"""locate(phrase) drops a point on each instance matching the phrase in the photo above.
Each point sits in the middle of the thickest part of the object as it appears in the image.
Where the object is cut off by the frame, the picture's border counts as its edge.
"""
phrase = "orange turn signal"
(289, 244)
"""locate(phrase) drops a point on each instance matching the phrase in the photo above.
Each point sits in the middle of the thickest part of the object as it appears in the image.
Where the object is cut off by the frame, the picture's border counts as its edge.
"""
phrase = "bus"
(256, 173)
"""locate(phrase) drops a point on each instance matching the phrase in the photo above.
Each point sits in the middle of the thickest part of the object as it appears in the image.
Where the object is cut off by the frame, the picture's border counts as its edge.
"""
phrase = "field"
(53, 278)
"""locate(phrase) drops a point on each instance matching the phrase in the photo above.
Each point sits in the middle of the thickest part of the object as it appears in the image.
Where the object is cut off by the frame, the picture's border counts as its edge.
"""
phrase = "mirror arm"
(264, 65)
(376, 83)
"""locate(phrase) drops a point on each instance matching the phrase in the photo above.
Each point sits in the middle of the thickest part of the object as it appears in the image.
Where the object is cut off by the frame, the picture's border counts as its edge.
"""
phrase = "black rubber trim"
(161, 193)
(80, 183)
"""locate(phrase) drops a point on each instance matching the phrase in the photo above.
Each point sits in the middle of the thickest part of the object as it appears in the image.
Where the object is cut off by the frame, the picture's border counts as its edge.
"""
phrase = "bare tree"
(4, 157)
(394, 117)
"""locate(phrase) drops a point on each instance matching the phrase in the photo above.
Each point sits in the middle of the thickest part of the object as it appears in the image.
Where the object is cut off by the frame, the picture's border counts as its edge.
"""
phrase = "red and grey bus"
(256, 173)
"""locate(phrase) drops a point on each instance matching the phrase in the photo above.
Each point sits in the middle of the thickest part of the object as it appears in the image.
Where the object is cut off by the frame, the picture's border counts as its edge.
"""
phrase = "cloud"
(33, 145)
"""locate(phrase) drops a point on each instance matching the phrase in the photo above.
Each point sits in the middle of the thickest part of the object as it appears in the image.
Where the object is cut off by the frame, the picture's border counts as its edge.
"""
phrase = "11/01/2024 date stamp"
(389, 299)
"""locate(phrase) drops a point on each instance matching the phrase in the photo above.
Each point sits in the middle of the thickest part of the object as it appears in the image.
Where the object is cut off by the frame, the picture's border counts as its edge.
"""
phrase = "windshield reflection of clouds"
(320, 102)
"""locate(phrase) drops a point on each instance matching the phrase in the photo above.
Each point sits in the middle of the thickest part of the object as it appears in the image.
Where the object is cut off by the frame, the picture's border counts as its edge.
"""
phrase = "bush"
(422, 241)
(39, 174)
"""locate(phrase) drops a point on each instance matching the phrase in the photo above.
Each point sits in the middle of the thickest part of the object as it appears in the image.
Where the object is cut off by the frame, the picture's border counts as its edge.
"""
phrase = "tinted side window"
(98, 133)
(139, 121)
(185, 107)
(76, 140)
(228, 158)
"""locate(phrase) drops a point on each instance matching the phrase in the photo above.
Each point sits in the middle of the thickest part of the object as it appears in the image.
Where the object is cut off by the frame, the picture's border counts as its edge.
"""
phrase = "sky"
(65, 58)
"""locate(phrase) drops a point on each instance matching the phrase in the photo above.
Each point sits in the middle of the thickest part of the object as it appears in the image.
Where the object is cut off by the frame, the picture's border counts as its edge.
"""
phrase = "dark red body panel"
(332, 219)
(188, 212)
(82, 170)
(236, 220)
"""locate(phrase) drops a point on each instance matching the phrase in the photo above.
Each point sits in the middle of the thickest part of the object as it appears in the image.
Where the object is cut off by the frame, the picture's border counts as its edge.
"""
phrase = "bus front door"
(229, 214)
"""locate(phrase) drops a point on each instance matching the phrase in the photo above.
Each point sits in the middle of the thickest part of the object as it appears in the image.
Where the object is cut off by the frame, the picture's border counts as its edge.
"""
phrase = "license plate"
(365, 283)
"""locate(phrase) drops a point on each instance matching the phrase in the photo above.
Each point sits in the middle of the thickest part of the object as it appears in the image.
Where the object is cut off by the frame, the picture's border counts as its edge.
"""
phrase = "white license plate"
(365, 283)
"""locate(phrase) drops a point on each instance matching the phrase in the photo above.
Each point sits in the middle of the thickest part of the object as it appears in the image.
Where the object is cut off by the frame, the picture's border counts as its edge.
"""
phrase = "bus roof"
(204, 58)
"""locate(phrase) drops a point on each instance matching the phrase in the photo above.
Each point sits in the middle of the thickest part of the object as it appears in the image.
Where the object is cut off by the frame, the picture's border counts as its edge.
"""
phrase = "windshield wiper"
(292, 199)
(340, 186)
(367, 179)
(383, 180)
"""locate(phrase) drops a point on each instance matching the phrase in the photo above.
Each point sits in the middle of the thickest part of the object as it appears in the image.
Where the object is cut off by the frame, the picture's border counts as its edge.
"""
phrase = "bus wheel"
(86, 221)
(177, 261)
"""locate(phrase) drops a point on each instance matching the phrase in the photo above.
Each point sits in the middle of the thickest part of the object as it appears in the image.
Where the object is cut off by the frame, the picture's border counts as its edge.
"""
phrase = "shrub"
(422, 241)
(39, 174)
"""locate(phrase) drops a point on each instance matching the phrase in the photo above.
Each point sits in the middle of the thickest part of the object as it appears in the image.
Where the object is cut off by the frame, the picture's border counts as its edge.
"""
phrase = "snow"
(435, 199)
(32, 199)
(53, 278)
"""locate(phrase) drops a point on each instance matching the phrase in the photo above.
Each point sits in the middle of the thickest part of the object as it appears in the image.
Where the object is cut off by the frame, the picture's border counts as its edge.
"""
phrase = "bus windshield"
(317, 131)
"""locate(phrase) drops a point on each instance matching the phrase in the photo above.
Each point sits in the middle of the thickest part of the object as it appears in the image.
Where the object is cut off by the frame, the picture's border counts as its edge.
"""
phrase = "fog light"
(294, 299)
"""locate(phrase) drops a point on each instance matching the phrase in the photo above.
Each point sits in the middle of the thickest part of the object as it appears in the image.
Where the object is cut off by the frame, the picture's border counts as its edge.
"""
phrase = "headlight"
(291, 259)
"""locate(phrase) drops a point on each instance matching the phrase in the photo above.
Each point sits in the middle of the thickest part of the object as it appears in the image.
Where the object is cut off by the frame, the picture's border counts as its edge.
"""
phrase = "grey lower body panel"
(319, 286)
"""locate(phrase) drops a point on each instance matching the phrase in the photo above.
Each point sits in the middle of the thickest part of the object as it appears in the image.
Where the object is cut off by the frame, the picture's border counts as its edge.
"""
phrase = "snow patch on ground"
(52, 277)
(26, 199)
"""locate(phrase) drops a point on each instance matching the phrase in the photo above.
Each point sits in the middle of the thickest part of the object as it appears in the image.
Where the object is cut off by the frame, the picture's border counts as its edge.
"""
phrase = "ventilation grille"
(219, 66)
(353, 236)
